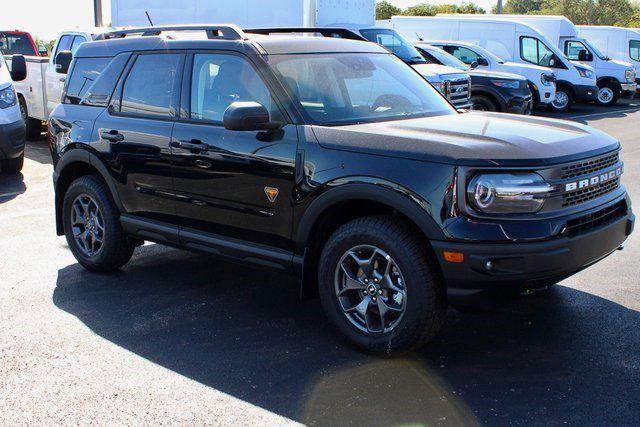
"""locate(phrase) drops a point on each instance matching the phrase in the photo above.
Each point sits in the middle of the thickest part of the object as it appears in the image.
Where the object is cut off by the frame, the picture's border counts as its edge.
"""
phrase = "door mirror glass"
(62, 61)
(247, 116)
(585, 56)
(18, 68)
(482, 61)
(473, 65)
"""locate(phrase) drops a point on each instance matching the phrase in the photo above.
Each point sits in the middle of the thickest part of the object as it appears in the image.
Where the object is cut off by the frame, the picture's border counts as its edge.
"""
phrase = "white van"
(12, 137)
(616, 79)
(511, 40)
(41, 92)
(618, 43)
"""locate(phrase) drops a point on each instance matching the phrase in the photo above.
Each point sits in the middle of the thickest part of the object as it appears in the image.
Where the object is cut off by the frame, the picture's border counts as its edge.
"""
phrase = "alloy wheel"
(605, 95)
(561, 100)
(370, 289)
(87, 224)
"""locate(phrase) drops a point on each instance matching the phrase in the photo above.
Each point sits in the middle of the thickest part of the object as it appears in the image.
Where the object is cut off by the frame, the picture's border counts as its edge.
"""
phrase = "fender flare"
(491, 93)
(568, 85)
(393, 195)
(535, 93)
(67, 160)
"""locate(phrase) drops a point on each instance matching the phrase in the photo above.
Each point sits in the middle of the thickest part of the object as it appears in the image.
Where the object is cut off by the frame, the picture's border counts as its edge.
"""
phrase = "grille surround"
(458, 98)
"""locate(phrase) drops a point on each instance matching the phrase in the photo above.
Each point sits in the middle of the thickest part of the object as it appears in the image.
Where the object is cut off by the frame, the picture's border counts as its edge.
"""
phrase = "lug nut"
(374, 299)
(380, 291)
(365, 292)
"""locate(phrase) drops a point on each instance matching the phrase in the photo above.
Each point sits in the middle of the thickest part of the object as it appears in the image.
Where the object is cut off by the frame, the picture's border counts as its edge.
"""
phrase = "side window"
(99, 93)
(64, 44)
(572, 49)
(217, 80)
(77, 41)
(463, 54)
(534, 51)
(634, 50)
(151, 84)
(84, 74)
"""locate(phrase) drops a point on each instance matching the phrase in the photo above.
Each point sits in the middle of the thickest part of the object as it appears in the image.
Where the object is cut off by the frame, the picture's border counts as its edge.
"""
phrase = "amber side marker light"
(453, 256)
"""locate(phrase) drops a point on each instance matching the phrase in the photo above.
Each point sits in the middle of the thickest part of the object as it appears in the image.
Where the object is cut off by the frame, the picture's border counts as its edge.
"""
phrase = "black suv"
(331, 159)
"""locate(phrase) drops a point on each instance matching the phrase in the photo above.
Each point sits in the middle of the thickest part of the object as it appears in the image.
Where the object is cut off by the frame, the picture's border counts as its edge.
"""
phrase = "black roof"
(111, 44)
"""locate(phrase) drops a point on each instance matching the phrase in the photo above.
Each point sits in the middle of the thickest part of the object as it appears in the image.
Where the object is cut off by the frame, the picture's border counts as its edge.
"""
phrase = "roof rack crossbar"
(231, 32)
(342, 33)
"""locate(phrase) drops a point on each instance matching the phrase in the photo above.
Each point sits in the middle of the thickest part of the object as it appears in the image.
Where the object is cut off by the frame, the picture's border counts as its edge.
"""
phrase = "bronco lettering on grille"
(594, 180)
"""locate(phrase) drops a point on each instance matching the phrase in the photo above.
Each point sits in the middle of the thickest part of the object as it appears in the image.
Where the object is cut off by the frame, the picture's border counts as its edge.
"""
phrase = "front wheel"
(92, 226)
(379, 286)
(562, 101)
(607, 95)
(33, 127)
(482, 103)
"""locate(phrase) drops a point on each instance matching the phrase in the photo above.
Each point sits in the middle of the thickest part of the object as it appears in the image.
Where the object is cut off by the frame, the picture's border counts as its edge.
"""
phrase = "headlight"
(511, 84)
(587, 74)
(439, 86)
(630, 75)
(506, 193)
(8, 97)
(548, 79)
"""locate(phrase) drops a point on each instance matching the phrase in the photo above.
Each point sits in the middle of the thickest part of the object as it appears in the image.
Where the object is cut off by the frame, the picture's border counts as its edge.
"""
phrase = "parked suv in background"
(12, 134)
(490, 91)
(333, 160)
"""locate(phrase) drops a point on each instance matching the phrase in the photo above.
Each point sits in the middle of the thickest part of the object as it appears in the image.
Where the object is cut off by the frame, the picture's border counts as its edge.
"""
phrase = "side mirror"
(473, 65)
(18, 68)
(552, 62)
(247, 116)
(585, 56)
(62, 61)
(42, 50)
(482, 61)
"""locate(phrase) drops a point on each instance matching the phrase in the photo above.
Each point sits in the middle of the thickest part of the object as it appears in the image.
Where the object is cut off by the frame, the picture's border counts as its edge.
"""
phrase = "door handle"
(112, 135)
(192, 144)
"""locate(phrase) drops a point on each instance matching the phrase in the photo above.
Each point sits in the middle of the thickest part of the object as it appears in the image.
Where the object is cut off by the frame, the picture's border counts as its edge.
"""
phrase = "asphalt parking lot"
(177, 337)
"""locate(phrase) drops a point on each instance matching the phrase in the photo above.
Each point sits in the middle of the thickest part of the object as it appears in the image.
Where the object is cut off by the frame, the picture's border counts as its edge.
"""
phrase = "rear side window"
(16, 44)
(462, 53)
(634, 50)
(151, 85)
(85, 72)
(77, 41)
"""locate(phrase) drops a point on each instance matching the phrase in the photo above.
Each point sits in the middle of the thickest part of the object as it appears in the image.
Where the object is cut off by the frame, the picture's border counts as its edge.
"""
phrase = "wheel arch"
(609, 79)
(72, 165)
(568, 86)
(493, 97)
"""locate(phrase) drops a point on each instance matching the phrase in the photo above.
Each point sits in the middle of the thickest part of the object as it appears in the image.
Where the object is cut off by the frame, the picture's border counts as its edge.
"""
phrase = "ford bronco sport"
(331, 159)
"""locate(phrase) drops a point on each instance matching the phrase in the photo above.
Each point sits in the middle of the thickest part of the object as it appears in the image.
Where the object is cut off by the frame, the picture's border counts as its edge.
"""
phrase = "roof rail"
(231, 32)
(342, 33)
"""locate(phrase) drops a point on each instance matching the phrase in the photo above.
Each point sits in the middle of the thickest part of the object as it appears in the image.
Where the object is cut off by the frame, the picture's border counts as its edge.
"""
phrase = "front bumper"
(585, 93)
(628, 90)
(12, 139)
(518, 266)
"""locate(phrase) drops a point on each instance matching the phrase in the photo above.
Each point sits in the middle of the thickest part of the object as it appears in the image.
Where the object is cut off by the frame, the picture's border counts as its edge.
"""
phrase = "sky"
(46, 18)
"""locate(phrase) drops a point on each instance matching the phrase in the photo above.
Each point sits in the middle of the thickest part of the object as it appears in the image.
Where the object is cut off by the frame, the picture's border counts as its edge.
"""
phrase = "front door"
(231, 183)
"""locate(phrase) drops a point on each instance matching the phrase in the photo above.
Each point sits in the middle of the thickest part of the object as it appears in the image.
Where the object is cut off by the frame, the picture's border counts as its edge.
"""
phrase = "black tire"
(567, 104)
(33, 126)
(116, 250)
(425, 302)
(608, 95)
(13, 165)
(483, 103)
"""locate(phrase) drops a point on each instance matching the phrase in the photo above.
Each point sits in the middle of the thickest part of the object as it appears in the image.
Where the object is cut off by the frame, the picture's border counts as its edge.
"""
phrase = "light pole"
(97, 13)
(498, 8)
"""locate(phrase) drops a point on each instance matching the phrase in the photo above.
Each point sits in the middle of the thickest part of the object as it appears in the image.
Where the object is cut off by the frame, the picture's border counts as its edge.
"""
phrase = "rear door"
(231, 183)
(135, 130)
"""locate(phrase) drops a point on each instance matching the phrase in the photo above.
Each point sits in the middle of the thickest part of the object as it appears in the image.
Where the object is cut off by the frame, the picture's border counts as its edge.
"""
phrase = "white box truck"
(511, 40)
(41, 91)
(618, 43)
(615, 79)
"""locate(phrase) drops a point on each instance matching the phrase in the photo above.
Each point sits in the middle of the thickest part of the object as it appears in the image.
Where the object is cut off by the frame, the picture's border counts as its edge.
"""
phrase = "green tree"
(468, 7)
(520, 7)
(385, 10)
(422, 9)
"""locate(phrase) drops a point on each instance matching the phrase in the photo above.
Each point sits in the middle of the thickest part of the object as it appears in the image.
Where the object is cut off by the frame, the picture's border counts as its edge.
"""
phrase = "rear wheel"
(563, 100)
(33, 126)
(92, 226)
(379, 287)
(13, 165)
(483, 103)
(607, 95)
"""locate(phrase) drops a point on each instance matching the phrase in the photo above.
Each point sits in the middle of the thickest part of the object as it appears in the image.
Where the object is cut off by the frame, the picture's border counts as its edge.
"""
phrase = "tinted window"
(218, 80)
(99, 93)
(77, 41)
(534, 51)
(347, 88)
(84, 74)
(634, 49)
(16, 44)
(150, 85)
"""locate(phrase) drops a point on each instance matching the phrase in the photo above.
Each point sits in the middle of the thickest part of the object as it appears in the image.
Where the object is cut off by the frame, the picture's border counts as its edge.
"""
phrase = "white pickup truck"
(41, 91)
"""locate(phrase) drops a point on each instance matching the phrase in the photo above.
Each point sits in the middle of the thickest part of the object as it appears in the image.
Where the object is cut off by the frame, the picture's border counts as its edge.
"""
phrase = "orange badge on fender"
(272, 193)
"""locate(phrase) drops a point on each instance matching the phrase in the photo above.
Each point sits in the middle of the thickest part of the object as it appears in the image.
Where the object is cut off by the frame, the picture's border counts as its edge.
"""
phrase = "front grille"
(589, 166)
(579, 196)
(457, 91)
(595, 219)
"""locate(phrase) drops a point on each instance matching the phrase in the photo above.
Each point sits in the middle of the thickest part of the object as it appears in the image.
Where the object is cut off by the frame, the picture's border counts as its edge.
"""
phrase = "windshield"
(446, 59)
(16, 44)
(350, 88)
(395, 43)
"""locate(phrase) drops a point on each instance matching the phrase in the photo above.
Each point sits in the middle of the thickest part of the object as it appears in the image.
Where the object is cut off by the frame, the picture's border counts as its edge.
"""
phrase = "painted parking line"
(603, 113)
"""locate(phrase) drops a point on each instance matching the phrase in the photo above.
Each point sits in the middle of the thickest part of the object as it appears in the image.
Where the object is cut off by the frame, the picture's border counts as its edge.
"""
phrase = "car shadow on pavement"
(11, 186)
(38, 151)
(559, 356)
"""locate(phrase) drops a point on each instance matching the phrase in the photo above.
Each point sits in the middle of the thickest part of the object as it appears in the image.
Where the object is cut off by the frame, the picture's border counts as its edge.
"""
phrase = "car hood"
(436, 70)
(495, 74)
(475, 138)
